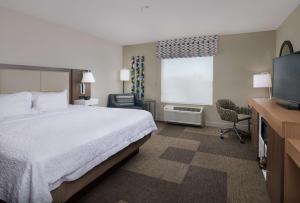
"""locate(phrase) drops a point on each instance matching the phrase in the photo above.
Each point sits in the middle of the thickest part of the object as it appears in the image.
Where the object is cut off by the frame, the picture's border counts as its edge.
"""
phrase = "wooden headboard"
(16, 78)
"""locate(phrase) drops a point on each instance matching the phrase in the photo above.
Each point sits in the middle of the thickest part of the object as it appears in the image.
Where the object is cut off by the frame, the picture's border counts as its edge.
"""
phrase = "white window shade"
(187, 80)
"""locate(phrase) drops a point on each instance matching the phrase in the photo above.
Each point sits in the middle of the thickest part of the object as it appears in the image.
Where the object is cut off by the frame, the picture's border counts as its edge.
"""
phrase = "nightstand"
(150, 105)
(90, 102)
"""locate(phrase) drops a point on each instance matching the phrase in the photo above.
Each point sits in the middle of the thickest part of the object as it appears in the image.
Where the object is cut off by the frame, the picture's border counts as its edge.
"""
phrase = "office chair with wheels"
(228, 111)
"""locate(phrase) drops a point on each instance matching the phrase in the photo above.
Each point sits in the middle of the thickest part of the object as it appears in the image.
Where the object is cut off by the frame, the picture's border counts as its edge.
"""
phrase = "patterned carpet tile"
(179, 155)
(199, 185)
(170, 171)
(159, 144)
(204, 185)
(160, 126)
(229, 146)
(185, 164)
(127, 186)
(172, 131)
(245, 181)
(204, 131)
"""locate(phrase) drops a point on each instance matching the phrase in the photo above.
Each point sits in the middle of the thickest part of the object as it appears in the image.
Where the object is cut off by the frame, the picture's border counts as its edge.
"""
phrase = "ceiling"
(130, 22)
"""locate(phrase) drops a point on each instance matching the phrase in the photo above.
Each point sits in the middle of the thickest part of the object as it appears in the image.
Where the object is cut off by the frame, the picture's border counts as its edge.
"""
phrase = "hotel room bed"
(43, 153)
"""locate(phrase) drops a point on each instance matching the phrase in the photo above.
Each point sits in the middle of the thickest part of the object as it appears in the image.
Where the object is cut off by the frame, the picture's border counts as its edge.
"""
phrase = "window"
(187, 80)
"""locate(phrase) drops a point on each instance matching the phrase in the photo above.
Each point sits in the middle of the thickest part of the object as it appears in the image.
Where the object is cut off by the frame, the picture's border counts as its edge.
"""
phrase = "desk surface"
(277, 116)
(277, 111)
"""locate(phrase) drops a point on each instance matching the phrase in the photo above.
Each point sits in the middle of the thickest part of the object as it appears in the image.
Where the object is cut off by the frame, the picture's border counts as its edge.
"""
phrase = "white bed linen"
(15, 104)
(50, 101)
(40, 151)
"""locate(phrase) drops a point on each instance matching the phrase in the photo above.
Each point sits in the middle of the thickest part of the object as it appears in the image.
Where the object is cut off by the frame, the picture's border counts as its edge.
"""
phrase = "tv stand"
(283, 175)
(290, 106)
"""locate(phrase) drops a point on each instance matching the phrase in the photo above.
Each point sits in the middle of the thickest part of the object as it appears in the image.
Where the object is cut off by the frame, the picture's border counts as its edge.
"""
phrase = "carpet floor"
(184, 164)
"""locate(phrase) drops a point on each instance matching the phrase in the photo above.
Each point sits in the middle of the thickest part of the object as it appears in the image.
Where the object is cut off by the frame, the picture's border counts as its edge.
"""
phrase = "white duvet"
(38, 152)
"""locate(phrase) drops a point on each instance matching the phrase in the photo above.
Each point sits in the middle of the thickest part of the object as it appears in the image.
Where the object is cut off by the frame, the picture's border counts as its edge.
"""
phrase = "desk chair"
(228, 111)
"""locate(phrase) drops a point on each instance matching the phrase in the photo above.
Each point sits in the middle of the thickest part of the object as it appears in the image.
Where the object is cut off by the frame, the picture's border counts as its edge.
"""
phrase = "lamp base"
(82, 88)
(84, 97)
(123, 87)
(270, 95)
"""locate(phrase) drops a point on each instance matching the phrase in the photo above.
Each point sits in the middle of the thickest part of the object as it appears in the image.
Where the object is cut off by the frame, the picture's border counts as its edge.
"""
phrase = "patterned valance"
(188, 47)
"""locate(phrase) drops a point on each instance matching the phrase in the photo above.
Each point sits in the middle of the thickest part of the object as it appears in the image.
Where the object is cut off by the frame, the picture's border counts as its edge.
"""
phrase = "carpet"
(184, 164)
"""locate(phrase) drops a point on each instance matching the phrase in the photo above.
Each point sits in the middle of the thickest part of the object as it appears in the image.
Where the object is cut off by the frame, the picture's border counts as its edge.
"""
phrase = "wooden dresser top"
(277, 116)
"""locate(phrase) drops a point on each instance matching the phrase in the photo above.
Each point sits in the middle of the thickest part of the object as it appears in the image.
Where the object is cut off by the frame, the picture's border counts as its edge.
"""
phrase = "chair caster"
(242, 141)
(221, 137)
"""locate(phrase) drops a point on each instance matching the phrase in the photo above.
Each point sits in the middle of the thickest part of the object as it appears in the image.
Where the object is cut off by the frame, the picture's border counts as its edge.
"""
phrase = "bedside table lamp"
(263, 80)
(124, 76)
(87, 77)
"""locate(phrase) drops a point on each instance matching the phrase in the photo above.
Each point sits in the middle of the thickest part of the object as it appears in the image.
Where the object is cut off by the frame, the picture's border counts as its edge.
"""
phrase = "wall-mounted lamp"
(263, 80)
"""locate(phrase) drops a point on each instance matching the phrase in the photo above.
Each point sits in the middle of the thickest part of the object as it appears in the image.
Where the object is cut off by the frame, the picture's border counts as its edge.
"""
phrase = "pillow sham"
(15, 104)
(49, 101)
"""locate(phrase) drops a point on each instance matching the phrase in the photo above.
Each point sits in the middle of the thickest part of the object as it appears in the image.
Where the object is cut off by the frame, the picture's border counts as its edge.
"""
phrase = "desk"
(283, 124)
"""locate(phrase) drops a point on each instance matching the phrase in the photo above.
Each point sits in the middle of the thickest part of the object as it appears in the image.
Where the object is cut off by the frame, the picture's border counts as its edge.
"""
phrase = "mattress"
(40, 151)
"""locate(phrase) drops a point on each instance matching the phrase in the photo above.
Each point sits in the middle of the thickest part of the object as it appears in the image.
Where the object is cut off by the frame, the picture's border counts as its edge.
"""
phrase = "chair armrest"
(244, 110)
(113, 102)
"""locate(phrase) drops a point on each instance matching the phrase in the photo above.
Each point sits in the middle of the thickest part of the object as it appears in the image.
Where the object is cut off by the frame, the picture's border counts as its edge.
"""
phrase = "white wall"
(26, 40)
(289, 30)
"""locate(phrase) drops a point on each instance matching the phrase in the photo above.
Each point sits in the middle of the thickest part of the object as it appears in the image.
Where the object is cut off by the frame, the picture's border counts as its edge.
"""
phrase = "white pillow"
(15, 104)
(49, 101)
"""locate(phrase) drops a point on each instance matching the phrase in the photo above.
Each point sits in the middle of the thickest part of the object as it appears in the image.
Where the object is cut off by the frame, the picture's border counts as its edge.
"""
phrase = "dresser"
(292, 171)
(283, 125)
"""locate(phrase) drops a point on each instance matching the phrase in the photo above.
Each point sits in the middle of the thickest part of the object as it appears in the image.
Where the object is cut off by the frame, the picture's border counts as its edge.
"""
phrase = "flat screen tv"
(286, 79)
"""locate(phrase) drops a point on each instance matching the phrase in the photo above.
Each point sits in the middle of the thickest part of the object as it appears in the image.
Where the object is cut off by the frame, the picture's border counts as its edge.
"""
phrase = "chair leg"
(238, 134)
(242, 132)
(234, 129)
(224, 131)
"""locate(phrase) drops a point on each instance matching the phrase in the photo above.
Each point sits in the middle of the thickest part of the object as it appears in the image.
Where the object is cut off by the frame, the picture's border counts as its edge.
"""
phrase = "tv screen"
(286, 78)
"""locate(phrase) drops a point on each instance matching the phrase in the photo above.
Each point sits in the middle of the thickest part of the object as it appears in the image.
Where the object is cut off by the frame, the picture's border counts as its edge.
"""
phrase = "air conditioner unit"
(184, 115)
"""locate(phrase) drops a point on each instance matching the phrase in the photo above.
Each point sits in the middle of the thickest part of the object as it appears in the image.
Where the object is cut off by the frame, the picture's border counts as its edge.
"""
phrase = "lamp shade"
(124, 74)
(262, 80)
(88, 77)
